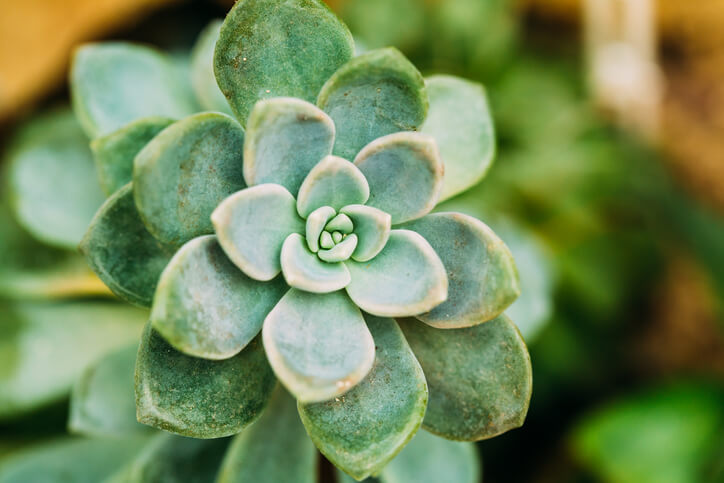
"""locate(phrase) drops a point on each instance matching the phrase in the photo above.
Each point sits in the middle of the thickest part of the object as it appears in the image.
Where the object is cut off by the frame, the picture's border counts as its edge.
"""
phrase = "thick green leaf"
(114, 152)
(482, 274)
(460, 121)
(479, 377)
(431, 459)
(102, 402)
(40, 354)
(197, 397)
(316, 223)
(341, 251)
(372, 227)
(205, 306)
(115, 83)
(276, 48)
(202, 70)
(274, 449)
(405, 174)
(333, 182)
(122, 252)
(185, 172)
(362, 430)
(304, 270)
(406, 278)
(69, 460)
(53, 184)
(318, 344)
(252, 226)
(168, 458)
(662, 434)
(375, 94)
(285, 139)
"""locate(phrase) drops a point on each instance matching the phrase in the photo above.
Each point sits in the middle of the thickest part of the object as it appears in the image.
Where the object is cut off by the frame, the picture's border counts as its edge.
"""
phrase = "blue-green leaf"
(203, 80)
(276, 48)
(318, 344)
(115, 83)
(405, 174)
(333, 182)
(304, 270)
(362, 430)
(375, 94)
(285, 139)
(185, 172)
(372, 227)
(205, 306)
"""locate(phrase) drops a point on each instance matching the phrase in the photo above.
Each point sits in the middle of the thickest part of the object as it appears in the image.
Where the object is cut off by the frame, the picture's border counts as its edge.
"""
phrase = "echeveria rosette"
(284, 241)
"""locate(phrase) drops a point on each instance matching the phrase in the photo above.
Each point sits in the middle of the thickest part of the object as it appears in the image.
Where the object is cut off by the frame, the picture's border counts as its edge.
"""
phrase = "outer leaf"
(114, 83)
(52, 181)
(361, 431)
(372, 227)
(252, 226)
(69, 459)
(114, 152)
(406, 278)
(102, 400)
(39, 344)
(479, 377)
(318, 344)
(170, 458)
(431, 459)
(274, 449)
(202, 70)
(405, 174)
(460, 121)
(375, 94)
(333, 182)
(482, 274)
(304, 270)
(205, 306)
(185, 172)
(275, 48)
(285, 138)
(122, 252)
(196, 397)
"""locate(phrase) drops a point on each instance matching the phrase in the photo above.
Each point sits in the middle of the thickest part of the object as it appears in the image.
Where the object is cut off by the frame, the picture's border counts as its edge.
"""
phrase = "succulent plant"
(286, 233)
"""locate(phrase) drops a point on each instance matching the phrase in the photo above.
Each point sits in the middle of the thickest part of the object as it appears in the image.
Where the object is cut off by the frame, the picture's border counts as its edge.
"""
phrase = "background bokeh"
(618, 231)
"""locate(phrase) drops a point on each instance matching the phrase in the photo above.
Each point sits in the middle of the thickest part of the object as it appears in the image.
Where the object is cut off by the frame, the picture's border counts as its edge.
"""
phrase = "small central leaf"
(341, 223)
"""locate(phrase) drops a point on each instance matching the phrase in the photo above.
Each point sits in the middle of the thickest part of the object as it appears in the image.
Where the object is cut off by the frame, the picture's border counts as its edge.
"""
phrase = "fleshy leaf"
(205, 306)
(277, 48)
(202, 70)
(197, 397)
(341, 223)
(39, 348)
(114, 153)
(341, 251)
(479, 377)
(69, 460)
(405, 174)
(304, 270)
(252, 226)
(460, 121)
(375, 94)
(185, 172)
(405, 278)
(168, 458)
(318, 344)
(102, 402)
(372, 227)
(333, 182)
(272, 450)
(285, 139)
(362, 430)
(114, 83)
(53, 184)
(316, 221)
(431, 459)
(481, 270)
(122, 252)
